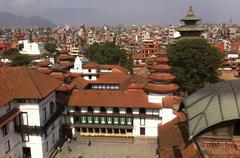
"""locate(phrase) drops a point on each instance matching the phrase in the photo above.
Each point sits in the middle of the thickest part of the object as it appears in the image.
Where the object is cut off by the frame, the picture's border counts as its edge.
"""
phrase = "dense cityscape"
(123, 91)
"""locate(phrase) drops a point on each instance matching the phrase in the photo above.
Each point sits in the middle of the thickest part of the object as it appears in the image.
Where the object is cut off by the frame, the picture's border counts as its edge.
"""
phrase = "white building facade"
(29, 115)
(29, 48)
(33, 130)
(115, 115)
(39, 125)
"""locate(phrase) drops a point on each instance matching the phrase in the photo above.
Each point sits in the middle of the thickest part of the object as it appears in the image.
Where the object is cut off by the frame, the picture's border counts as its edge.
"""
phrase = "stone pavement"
(103, 148)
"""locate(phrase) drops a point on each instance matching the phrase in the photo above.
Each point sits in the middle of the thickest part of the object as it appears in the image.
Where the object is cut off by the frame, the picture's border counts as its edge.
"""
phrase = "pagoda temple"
(190, 27)
(160, 85)
(160, 89)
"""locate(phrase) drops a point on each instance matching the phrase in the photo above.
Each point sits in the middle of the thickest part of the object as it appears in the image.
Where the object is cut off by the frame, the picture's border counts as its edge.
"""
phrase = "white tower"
(77, 65)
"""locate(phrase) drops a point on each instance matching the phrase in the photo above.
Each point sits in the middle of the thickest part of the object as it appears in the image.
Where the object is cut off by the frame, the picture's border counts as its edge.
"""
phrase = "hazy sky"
(147, 11)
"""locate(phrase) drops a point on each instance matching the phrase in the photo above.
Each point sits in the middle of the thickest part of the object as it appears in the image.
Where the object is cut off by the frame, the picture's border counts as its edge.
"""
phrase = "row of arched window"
(116, 110)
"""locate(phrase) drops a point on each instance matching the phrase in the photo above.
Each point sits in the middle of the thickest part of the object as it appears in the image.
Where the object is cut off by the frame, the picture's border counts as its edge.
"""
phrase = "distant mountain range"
(78, 16)
(9, 20)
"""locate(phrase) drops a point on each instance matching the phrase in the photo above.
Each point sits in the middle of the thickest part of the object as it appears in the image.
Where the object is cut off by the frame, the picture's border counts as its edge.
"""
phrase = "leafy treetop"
(195, 63)
(109, 53)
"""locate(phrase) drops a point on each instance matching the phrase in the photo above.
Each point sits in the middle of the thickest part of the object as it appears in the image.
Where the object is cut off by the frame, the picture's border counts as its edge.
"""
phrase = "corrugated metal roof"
(212, 105)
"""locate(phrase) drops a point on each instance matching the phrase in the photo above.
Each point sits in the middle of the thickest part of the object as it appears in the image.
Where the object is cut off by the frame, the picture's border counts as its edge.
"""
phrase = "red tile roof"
(104, 78)
(118, 68)
(171, 102)
(23, 83)
(43, 63)
(45, 70)
(136, 78)
(9, 116)
(66, 57)
(90, 65)
(161, 67)
(110, 78)
(161, 88)
(173, 135)
(80, 82)
(5, 96)
(162, 77)
(162, 60)
(66, 87)
(133, 85)
(127, 98)
(60, 75)
(221, 148)
(66, 64)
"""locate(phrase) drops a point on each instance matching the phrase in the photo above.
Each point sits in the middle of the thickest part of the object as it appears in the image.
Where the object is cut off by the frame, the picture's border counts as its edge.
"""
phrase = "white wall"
(96, 109)
(136, 127)
(35, 144)
(33, 114)
(77, 65)
(93, 71)
(84, 109)
(157, 98)
(38, 143)
(138, 61)
(135, 111)
(88, 78)
(52, 137)
(151, 127)
(232, 56)
(122, 110)
(105, 70)
(35, 111)
(109, 110)
(14, 140)
(105, 86)
(30, 48)
(152, 112)
(167, 115)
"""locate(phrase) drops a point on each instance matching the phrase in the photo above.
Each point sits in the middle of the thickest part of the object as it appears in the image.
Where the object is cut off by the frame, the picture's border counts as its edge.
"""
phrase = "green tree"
(10, 52)
(109, 53)
(50, 46)
(20, 60)
(195, 63)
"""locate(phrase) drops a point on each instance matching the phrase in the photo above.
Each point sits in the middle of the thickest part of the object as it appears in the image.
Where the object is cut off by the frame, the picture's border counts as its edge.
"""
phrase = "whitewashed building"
(117, 113)
(29, 48)
(29, 114)
(137, 110)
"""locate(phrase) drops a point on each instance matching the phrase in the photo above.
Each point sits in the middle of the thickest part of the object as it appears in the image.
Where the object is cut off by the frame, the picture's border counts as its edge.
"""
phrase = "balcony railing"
(79, 113)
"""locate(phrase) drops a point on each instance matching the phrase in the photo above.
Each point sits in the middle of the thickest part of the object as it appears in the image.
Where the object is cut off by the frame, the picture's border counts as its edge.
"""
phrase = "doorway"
(142, 131)
(26, 152)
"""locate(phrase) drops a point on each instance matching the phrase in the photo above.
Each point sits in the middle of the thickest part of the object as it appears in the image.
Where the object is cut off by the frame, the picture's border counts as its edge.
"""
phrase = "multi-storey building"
(150, 47)
(114, 113)
(30, 123)
(99, 106)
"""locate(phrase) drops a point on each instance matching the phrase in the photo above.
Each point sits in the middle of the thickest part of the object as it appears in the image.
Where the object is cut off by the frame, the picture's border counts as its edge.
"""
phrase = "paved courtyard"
(102, 148)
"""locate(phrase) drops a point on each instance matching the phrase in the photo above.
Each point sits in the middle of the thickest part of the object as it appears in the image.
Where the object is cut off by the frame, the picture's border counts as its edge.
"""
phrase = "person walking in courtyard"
(69, 148)
(89, 142)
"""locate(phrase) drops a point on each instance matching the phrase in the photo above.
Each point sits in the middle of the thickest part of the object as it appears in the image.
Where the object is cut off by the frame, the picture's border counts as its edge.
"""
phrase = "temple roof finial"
(190, 12)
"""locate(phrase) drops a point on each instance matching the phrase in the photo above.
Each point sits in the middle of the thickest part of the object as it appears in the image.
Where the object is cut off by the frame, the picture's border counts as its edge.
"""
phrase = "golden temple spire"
(190, 12)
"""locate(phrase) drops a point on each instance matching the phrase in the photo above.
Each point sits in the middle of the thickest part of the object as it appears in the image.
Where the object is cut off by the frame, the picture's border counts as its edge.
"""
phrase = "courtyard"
(110, 148)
